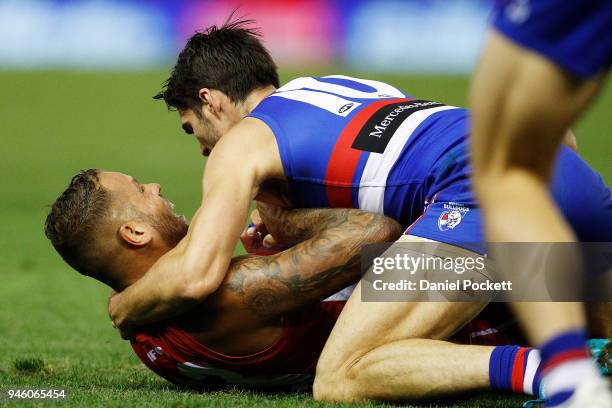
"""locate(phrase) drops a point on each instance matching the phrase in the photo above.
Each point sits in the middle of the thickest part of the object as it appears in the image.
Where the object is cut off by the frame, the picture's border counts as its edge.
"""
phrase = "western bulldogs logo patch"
(451, 216)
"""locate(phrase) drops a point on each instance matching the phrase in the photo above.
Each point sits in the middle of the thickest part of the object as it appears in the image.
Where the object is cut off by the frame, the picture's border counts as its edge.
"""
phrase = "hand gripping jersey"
(291, 361)
(356, 143)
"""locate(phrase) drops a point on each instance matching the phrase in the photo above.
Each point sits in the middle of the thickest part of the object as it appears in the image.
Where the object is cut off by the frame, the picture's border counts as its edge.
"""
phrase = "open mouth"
(172, 207)
(168, 202)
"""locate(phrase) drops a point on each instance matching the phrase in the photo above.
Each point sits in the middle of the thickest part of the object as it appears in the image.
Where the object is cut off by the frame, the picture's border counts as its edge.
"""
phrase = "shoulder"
(249, 145)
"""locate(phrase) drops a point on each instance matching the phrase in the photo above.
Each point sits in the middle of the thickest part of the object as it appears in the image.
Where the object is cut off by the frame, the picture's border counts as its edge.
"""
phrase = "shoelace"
(533, 403)
(541, 399)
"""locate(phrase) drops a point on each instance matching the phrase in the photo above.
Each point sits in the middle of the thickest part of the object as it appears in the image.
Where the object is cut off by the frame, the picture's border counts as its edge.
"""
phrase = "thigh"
(522, 106)
(364, 326)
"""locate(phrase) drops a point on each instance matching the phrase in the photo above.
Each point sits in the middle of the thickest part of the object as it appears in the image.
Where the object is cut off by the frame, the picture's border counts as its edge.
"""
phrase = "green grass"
(54, 330)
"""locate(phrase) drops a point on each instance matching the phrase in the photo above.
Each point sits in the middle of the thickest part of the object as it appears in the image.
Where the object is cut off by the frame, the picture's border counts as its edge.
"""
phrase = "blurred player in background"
(334, 141)
(544, 62)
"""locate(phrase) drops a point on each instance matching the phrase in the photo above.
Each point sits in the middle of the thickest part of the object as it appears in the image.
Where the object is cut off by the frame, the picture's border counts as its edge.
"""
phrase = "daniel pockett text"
(412, 263)
(429, 272)
(414, 269)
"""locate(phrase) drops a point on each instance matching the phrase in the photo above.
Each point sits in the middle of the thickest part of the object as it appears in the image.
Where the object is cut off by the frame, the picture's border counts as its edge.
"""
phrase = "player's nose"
(154, 188)
(205, 151)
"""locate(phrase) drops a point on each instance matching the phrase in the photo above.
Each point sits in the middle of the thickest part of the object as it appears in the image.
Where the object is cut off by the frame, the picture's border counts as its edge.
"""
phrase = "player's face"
(206, 132)
(145, 200)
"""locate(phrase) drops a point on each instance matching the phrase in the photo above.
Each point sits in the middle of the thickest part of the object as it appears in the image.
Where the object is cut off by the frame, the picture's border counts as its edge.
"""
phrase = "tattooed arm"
(326, 262)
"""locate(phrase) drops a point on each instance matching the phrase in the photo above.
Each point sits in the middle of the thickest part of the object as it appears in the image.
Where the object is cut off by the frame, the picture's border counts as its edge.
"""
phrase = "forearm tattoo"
(271, 286)
(300, 224)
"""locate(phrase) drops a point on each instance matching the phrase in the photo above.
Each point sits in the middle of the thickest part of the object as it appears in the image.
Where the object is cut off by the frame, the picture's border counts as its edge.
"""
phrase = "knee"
(498, 174)
(323, 388)
(334, 385)
(508, 183)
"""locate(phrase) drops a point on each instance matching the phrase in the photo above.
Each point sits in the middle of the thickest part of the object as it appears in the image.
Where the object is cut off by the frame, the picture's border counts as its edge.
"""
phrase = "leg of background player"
(522, 105)
(386, 351)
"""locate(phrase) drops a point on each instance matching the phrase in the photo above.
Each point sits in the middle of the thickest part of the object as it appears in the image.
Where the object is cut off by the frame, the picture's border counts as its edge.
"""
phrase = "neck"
(134, 264)
(255, 97)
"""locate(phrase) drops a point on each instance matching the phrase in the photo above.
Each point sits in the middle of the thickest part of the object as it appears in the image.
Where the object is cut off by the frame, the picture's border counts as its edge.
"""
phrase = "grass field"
(54, 330)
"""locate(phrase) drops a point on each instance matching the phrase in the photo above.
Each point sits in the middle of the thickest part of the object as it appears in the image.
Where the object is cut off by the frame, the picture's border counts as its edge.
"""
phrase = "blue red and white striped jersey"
(356, 143)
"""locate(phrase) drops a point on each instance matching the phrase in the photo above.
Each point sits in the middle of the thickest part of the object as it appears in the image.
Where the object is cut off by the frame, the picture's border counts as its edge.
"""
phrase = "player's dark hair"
(74, 218)
(230, 58)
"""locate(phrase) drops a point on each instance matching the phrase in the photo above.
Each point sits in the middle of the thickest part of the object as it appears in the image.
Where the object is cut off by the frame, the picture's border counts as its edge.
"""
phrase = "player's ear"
(136, 233)
(212, 98)
(204, 95)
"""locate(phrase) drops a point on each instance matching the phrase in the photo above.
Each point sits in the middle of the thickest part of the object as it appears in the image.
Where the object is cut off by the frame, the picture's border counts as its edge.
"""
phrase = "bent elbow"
(386, 229)
(193, 286)
(394, 229)
(196, 291)
(200, 282)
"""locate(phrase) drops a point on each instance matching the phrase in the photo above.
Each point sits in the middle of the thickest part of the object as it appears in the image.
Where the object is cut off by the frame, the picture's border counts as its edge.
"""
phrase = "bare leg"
(543, 320)
(408, 370)
(523, 105)
(390, 351)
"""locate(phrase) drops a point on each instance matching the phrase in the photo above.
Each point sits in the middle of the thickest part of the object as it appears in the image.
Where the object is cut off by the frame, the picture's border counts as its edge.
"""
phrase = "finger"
(261, 231)
(250, 230)
(269, 241)
(243, 234)
(256, 217)
(252, 244)
(249, 242)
